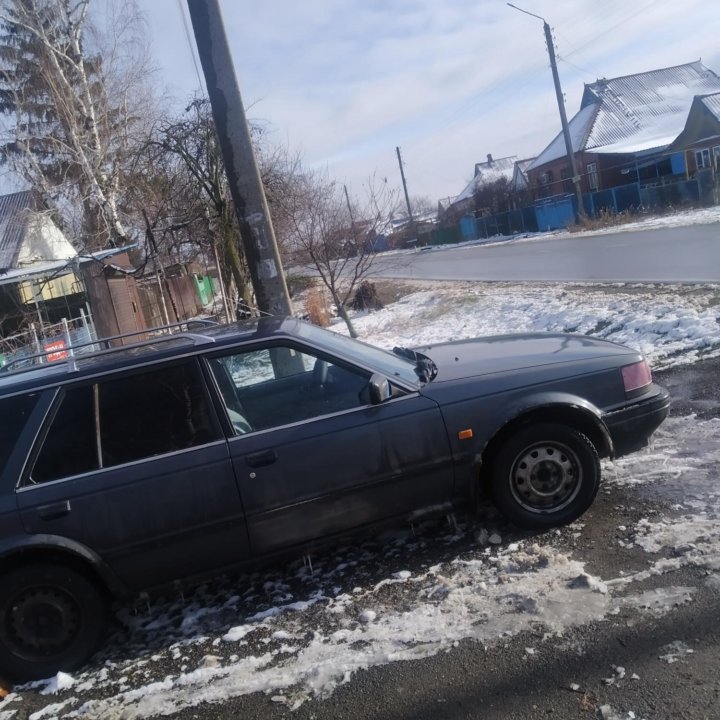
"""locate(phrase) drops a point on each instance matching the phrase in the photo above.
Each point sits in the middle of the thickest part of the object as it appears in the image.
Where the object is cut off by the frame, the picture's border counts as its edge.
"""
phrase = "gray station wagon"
(177, 456)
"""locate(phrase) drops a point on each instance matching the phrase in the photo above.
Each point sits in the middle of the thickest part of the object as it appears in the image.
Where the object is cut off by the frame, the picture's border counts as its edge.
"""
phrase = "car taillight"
(636, 376)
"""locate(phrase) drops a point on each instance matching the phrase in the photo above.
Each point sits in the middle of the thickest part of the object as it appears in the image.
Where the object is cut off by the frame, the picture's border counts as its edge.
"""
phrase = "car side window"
(277, 386)
(69, 447)
(152, 414)
(124, 419)
(14, 413)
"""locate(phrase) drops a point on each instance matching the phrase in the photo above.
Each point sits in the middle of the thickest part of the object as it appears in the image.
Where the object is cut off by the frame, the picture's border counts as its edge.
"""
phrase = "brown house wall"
(181, 299)
(114, 299)
(608, 166)
(690, 159)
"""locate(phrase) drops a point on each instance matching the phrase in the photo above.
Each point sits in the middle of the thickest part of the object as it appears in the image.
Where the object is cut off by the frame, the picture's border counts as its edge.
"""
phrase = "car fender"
(17, 546)
(554, 400)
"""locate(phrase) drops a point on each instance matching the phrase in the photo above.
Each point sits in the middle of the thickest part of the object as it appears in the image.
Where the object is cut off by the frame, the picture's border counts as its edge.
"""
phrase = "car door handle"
(54, 511)
(260, 459)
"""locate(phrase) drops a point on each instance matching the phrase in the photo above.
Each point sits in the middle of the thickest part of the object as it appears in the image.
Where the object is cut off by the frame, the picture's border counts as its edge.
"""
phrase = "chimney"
(490, 160)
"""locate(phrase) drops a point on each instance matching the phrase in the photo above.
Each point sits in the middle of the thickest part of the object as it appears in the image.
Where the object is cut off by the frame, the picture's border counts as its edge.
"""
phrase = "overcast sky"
(449, 81)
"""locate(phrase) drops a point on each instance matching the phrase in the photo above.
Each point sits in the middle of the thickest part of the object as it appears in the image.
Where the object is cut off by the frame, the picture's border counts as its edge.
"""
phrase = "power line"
(191, 46)
(507, 92)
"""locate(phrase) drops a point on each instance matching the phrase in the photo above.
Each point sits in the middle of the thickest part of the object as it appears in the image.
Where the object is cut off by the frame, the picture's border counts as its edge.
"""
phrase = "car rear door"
(137, 468)
(314, 457)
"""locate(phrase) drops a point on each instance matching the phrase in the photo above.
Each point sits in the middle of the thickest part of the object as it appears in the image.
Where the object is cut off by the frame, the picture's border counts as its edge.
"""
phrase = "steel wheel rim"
(42, 621)
(545, 477)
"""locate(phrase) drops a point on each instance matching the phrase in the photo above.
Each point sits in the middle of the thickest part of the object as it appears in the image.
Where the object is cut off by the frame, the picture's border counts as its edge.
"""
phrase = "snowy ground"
(300, 631)
(670, 324)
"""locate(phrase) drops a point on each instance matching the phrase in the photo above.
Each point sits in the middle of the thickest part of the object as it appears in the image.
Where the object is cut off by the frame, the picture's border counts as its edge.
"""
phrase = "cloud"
(347, 81)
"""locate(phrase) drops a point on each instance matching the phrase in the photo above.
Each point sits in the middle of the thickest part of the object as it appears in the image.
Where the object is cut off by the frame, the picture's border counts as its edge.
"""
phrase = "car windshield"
(389, 364)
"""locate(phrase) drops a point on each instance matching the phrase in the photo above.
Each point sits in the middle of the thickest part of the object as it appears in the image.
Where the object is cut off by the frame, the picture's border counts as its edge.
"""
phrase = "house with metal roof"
(624, 131)
(28, 237)
(700, 143)
(486, 176)
(44, 281)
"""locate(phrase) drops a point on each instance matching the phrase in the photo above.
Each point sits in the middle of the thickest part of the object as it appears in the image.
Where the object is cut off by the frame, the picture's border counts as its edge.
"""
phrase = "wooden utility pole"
(256, 230)
(561, 107)
(413, 230)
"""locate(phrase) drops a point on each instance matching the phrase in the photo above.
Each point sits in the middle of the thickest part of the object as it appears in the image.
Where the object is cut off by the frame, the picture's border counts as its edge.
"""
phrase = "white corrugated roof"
(488, 172)
(635, 113)
(712, 103)
(579, 127)
(13, 223)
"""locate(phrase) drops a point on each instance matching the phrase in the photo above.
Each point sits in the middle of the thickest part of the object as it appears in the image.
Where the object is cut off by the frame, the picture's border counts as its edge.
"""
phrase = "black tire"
(51, 618)
(545, 475)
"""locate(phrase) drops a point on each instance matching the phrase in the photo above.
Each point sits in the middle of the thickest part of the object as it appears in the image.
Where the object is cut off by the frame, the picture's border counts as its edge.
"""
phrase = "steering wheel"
(239, 422)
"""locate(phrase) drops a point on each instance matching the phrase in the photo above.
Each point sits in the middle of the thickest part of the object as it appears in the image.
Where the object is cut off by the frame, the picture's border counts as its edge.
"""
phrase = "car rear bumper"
(631, 427)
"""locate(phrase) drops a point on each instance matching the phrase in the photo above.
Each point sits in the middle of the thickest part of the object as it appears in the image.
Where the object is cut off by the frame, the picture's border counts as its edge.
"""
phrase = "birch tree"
(69, 93)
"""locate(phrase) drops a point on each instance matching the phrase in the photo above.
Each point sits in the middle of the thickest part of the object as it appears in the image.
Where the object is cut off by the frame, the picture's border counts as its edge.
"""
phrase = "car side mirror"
(379, 389)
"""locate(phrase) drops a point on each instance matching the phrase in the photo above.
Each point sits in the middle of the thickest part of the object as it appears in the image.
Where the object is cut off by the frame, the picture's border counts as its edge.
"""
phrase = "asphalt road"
(682, 254)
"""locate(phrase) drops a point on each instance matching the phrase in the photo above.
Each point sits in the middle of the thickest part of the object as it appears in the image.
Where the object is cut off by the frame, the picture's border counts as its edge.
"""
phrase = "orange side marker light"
(465, 434)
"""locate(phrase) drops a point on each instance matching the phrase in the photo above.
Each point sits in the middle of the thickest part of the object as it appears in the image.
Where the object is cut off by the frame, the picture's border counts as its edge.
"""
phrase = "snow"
(296, 633)
(667, 323)
(50, 711)
(676, 651)
(62, 681)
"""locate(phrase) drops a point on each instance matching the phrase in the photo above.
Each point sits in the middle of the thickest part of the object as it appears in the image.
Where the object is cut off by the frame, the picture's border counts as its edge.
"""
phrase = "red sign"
(56, 350)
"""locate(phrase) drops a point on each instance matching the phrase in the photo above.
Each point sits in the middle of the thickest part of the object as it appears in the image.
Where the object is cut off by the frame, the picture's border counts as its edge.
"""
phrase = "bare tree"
(492, 197)
(333, 234)
(422, 204)
(71, 95)
(187, 147)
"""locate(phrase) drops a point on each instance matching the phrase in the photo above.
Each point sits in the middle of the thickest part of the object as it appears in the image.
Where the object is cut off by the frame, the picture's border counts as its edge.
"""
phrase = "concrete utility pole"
(256, 228)
(407, 197)
(561, 108)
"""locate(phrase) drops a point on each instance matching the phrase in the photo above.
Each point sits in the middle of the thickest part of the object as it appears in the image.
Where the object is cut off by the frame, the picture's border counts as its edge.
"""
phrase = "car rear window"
(124, 419)
(14, 412)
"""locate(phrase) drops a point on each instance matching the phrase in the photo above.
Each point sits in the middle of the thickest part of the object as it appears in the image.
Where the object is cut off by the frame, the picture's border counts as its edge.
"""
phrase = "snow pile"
(491, 597)
(61, 681)
(669, 324)
(676, 651)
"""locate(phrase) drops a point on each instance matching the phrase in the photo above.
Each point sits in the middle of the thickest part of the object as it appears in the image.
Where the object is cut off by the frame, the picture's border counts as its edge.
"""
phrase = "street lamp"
(561, 108)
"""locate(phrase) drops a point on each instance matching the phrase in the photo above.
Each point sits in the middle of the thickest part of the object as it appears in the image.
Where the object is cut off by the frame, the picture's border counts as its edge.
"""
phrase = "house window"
(592, 174)
(702, 158)
(716, 158)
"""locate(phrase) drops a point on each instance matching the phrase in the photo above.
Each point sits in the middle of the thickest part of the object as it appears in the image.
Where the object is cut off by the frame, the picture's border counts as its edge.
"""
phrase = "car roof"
(87, 361)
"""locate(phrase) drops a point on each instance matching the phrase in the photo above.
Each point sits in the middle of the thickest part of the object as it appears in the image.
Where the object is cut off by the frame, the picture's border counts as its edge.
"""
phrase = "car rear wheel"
(545, 475)
(51, 618)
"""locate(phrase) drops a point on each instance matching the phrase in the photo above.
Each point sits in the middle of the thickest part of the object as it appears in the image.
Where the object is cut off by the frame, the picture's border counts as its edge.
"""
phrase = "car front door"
(313, 457)
(137, 468)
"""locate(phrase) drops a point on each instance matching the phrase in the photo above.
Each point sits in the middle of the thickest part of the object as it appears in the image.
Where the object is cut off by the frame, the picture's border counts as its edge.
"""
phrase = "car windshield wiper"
(425, 368)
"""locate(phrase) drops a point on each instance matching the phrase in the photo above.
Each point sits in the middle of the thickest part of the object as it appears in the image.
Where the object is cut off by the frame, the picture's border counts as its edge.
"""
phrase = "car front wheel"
(51, 618)
(545, 475)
